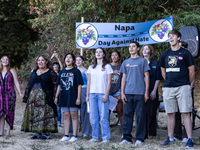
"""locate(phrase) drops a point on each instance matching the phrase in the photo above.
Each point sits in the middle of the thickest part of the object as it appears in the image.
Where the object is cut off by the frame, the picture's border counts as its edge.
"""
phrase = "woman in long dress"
(40, 112)
(8, 79)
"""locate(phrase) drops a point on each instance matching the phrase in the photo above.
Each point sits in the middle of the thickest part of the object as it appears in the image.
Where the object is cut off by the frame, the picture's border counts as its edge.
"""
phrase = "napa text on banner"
(107, 35)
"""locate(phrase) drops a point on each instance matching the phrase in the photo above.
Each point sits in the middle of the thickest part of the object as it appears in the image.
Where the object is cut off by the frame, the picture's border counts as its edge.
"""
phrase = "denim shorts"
(66, 109)
(116, 93)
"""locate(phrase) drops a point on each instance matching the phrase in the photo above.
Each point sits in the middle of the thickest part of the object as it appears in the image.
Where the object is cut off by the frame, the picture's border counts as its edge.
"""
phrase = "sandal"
(36, 136)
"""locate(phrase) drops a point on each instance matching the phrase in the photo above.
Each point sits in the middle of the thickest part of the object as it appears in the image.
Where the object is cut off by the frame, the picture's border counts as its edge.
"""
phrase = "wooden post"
(81, 52)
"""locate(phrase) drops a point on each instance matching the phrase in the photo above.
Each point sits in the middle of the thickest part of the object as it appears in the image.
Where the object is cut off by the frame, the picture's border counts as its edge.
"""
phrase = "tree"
(57, 19)
(16, 34)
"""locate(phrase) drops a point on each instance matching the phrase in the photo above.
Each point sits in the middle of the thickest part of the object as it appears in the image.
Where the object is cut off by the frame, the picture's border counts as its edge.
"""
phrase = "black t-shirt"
(116, 79)
(69, 81)
(176, 65)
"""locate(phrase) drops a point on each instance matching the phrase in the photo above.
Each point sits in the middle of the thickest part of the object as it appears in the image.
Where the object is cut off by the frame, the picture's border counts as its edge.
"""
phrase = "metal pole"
(82, 20)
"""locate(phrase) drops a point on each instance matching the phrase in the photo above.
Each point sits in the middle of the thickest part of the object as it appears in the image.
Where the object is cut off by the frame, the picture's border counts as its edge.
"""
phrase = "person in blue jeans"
(134, 94)
(85, 118)
(57, 66)
(98, 87)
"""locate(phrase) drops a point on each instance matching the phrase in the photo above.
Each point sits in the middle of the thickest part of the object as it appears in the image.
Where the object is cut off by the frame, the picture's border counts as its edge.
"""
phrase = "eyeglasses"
(56, 66)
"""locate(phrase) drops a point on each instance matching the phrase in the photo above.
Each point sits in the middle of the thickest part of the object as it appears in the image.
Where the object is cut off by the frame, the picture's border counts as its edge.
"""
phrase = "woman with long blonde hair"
(8, 78)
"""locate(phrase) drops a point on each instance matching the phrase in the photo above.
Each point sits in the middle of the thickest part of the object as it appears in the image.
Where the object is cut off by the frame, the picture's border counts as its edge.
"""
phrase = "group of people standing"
(134, 83)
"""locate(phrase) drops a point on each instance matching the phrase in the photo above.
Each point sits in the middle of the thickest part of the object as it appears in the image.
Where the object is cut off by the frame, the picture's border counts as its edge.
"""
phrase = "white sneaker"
(73, 139)
(122, 136)
(64, 138)
(124, 142)
(138, 143)
(105, 141)
(184, 140)
(93, 140)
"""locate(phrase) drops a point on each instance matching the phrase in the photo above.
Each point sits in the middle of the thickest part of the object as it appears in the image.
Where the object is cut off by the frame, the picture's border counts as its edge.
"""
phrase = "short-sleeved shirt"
(116, 79)
(98, 75)
(176, 65)
(69, 81)
(155, 73)
(134, 68)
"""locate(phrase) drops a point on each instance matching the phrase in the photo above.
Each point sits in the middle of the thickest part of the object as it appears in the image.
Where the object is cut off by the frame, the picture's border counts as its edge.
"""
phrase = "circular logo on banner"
(86, 35)
(159, 30)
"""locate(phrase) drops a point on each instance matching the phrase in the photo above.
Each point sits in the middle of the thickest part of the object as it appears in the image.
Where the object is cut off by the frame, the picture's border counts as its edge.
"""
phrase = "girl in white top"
(98, 87)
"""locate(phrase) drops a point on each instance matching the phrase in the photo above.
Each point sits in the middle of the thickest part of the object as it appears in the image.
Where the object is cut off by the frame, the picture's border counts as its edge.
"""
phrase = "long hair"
(152, 53)
(1, 66)
(49, 63)
(73, 57)
(105, 59)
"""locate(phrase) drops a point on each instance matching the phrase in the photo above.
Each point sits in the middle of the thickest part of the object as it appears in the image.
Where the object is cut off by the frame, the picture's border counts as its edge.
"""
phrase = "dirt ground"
(21, 140)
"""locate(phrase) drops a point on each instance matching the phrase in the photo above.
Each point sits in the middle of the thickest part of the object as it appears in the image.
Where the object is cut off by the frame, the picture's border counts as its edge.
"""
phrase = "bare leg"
(2, 123)
(188, 124)
(8, 130)
(74, 116)
(66, 116)
(171, 124)
(119, 109)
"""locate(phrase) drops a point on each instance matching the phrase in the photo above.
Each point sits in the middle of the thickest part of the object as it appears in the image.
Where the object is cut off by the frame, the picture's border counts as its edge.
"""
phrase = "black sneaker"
(168, 142)
(189, 144)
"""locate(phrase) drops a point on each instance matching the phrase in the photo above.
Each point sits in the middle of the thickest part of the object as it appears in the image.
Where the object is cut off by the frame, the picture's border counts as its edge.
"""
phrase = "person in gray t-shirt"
(134, 94)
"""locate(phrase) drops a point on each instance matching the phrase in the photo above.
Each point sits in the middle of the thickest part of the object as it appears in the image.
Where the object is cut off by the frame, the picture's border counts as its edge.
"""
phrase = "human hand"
(123, 98)
(87, 98)
(21, 95)
(78, 102)
(153, 95)
(56, 100)
(146, 97)
(104, 98)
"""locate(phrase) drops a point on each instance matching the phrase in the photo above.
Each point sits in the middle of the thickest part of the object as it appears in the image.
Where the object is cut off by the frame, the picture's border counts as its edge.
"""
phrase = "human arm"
(57, 94)
(153, 93)
(146, 95)
(105, 97)
(163, 72)
(191, 75)
(78, 101)
(88, 87)
(123, 84)
(56, 56)
(16, 82)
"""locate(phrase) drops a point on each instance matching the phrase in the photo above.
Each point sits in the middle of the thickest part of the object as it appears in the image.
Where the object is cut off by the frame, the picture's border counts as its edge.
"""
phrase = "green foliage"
(56, 20)
(16, 33)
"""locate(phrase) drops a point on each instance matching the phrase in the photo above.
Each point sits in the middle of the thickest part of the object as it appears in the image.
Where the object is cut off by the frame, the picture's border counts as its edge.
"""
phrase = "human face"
(173, 39)
(79, 62)
(42, 63)
(146, 51)
(133, 49)
(115, 57)
(99, 53)
(5, 61)
(69, 60)
(55, 68)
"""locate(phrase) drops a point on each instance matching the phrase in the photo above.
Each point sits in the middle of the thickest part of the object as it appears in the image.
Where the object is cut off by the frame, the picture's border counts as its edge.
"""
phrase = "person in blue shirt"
(85, 119)
(147, 51)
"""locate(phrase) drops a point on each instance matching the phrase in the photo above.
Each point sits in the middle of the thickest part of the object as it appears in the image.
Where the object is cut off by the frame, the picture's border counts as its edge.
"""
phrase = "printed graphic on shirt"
(115, 76)
(172, 62)
(67, 80)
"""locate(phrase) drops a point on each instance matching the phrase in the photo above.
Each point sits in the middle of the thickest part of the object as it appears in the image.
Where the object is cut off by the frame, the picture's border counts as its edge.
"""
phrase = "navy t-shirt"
(116, 79)
(69, 81)
(176, 65)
